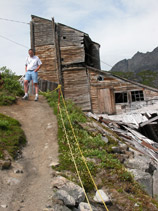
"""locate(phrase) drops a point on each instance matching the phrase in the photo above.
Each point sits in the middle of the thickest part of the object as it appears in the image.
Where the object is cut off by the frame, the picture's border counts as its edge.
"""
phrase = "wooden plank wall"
(71, 45)
(114, 83)
(76, 87)
(44, 46)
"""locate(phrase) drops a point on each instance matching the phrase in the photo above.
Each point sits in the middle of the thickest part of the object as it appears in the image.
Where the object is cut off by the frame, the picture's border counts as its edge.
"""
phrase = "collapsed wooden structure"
(71, 58)
(131, 132)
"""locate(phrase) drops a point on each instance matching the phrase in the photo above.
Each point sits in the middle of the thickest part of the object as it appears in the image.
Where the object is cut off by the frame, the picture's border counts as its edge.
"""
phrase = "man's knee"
(26, 82)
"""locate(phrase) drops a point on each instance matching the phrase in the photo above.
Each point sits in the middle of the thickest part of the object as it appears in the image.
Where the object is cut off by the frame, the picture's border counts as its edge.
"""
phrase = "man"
(32, 65)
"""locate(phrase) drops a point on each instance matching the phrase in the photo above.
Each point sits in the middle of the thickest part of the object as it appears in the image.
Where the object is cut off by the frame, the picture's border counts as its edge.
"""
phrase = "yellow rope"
(81, 151)
(74, 159)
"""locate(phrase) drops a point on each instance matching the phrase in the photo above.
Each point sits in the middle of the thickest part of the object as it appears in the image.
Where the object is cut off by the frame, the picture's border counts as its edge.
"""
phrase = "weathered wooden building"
(71, 58)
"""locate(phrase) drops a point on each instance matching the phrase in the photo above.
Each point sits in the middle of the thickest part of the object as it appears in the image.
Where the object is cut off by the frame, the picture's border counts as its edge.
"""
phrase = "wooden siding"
(71, 45)
(43, 42)
(97, 88)
(76, 87)
(43, 31)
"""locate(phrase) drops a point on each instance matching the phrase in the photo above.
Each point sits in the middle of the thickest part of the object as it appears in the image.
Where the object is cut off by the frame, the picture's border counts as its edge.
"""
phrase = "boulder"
(58, 182)
(66, 198)
(71, 188)
(85, 207)
(155, 184)
(101, 195)
(75, 190)
(144, 179)
(138, 162)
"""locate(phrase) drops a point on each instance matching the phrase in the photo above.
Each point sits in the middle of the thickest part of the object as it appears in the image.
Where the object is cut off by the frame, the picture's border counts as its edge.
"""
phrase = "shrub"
(10, 87)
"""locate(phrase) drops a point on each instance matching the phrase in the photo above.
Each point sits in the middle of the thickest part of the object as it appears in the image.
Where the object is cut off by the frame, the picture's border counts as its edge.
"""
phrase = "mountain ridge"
(139, 62)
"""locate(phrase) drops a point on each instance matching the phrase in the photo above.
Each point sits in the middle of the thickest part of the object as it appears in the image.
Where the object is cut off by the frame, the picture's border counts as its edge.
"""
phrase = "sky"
(122, 27)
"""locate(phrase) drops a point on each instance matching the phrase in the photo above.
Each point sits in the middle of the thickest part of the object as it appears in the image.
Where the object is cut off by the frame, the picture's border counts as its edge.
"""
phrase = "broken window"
(137, 96)
(121, 97)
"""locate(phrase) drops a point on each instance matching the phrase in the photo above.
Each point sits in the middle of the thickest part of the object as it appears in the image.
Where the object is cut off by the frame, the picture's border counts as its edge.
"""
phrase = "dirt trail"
(30, 190)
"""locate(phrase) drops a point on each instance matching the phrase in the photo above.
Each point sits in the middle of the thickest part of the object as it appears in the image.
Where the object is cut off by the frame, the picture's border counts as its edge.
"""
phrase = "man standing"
(32, 65)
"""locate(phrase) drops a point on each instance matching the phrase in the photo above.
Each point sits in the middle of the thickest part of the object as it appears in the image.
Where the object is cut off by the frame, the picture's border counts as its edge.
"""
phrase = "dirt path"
(30, 190)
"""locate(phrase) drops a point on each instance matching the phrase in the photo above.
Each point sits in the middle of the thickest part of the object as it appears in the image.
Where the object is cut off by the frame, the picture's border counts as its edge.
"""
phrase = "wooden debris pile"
(131, 132)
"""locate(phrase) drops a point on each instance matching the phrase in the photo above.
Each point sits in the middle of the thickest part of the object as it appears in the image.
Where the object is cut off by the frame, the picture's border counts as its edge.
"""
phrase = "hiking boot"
(36, 98)
(26, 97)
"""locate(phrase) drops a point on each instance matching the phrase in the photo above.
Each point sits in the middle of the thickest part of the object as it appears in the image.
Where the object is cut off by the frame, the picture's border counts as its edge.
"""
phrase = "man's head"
(31, 53)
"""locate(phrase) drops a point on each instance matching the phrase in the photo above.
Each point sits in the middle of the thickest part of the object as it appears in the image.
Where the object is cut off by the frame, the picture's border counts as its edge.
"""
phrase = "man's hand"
(38, 68)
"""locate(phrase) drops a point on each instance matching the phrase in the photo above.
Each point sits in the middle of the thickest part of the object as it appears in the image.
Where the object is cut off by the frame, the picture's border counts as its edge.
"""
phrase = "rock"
(4, 206)
(124, 147)
(138, 162)
(104, 196)
(143, 178)
(18, 171)
(71, 188)
(155, 184)
(75, 190)
(58, 207)
(91, 160)
(116, 149)
(5, 164)
(151, 169)
(13, 181)
(49, 126)
(66, 198)
(85, 207)
(55, 164)
(48, 206)
(105, 139)
(58, 182)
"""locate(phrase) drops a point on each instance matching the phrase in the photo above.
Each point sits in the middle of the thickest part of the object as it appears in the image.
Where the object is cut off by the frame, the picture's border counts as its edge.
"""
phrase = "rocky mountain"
(139, 62)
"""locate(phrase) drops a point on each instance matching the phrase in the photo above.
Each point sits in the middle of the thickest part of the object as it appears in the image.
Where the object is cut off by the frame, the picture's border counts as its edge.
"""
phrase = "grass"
(12, 137)
(10, 88)
(103, 164)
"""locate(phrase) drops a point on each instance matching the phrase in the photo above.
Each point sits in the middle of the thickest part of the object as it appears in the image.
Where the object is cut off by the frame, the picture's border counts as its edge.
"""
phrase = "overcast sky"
(122, 27)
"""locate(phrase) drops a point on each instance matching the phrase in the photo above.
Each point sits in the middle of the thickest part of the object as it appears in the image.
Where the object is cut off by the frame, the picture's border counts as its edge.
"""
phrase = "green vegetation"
(12, 137)
(10, 88)
(146, 77)
(103, 164)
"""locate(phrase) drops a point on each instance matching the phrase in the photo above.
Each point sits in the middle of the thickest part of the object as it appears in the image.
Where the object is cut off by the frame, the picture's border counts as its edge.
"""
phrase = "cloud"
(122, 27)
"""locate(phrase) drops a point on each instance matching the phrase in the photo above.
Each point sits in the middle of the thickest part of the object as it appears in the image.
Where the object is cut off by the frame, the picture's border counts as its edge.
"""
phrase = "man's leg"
(26, 86)
(36, 88)
(35, 81)
(36, 91)
(26, 90)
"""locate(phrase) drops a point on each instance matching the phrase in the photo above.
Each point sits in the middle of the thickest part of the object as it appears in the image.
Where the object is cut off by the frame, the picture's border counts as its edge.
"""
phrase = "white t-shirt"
(32, 62)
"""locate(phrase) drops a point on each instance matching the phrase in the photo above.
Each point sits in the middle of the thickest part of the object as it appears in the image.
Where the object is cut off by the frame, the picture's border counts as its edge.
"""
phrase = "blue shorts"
(31, 75)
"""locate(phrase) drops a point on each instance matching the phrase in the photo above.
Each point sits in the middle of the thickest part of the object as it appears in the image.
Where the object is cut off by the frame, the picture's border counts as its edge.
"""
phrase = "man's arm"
(38, 68)
(25, 68)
